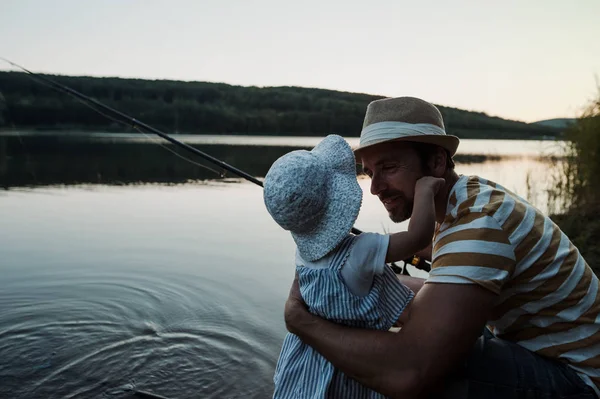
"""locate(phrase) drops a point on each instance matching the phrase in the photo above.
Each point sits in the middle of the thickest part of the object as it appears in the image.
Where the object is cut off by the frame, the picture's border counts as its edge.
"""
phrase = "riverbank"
(576, 184)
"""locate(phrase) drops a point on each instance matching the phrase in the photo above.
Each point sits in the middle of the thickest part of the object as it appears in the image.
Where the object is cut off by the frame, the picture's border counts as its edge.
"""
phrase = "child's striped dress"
(301, 371)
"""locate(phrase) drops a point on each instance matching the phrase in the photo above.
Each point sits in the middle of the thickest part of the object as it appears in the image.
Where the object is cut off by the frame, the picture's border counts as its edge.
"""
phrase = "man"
(497, 261)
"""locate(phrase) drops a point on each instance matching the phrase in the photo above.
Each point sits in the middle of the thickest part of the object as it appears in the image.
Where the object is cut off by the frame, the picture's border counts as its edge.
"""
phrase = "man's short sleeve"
(472, 250)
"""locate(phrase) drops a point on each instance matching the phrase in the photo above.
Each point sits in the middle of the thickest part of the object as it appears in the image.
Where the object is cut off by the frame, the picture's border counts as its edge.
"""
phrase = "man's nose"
(377, 184)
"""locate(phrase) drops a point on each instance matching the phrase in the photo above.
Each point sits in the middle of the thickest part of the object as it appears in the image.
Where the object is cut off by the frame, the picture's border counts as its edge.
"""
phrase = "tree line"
(217, 108)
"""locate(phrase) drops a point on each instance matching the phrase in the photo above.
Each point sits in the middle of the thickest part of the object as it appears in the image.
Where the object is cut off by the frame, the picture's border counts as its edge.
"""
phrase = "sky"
(527, 60)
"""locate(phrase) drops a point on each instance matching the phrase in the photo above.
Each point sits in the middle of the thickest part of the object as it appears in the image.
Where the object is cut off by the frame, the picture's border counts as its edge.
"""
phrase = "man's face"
(394, 169)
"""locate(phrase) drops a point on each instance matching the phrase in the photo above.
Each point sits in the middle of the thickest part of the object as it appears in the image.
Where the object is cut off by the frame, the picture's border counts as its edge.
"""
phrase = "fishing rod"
(415, 260)
(136, 123)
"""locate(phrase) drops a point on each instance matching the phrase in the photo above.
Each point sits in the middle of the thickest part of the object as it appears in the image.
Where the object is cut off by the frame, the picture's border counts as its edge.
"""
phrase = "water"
(471, 146)
(176, 289)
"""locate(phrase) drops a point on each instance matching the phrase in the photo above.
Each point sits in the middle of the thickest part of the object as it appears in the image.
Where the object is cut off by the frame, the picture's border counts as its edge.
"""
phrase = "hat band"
(382, 131)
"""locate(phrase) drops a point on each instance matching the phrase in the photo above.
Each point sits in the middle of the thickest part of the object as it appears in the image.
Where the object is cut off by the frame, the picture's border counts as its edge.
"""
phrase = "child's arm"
(422, 222)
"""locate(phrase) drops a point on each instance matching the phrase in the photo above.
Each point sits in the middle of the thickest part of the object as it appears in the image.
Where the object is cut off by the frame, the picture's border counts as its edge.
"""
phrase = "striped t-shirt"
(548, 298)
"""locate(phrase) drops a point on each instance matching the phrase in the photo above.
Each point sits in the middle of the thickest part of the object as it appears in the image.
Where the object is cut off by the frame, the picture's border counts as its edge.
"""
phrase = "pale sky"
(527, 60)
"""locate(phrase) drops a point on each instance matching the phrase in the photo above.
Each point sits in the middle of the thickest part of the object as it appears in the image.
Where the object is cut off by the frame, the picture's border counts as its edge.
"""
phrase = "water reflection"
(53, 159)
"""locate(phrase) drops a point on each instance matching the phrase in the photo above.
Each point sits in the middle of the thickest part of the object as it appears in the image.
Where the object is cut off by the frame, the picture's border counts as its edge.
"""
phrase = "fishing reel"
(415, 261)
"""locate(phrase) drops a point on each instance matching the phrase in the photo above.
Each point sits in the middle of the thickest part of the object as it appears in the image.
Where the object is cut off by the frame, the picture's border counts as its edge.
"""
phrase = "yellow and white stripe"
(548, 298)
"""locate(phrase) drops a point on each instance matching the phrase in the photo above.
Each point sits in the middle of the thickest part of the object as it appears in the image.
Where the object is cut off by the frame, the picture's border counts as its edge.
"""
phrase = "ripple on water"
(101, 335)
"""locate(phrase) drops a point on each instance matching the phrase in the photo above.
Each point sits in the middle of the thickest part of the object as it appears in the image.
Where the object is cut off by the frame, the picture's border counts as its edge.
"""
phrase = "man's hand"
(296, 313)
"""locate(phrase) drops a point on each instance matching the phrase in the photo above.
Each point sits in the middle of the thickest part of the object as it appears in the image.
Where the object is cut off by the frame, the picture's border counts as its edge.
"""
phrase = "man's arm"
(444, 322)
(414, 283)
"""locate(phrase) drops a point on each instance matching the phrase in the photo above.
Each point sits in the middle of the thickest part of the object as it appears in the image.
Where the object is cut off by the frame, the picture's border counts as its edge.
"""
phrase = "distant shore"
(118, 130)
(216, 108)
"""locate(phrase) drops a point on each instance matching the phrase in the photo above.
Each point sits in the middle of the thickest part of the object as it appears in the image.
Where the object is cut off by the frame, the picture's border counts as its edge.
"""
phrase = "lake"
(126, 267)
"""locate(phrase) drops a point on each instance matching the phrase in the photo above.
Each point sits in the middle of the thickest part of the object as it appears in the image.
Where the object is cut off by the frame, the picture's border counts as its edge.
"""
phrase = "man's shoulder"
(478, 203)
(469, 187)
(474, 196)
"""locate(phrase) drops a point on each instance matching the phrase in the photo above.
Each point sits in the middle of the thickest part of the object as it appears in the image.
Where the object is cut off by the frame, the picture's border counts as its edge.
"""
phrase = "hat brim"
(344, 198)
(447, 142)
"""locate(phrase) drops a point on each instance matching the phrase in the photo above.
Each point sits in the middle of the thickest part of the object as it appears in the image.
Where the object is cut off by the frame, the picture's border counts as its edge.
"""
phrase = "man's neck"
(441, 199)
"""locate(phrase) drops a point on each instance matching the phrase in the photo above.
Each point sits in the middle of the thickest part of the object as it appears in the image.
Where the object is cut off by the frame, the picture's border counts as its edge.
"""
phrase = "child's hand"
(430, 183)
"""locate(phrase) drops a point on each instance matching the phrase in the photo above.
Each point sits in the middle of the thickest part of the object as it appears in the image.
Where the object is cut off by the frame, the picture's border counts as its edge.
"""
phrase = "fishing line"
(109, 117)
(29, 165)
(138, 129)
(155, 140)
(134, 122)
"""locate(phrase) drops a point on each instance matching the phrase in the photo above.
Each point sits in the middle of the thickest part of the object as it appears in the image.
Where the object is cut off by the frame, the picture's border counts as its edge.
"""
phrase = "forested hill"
(217, 108)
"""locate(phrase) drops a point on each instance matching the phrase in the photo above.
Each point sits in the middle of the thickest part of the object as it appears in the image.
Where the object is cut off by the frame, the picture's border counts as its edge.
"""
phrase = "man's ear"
(437, 162)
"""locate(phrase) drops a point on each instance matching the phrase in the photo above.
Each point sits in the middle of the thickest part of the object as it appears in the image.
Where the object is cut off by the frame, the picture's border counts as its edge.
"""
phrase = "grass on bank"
(576, 185)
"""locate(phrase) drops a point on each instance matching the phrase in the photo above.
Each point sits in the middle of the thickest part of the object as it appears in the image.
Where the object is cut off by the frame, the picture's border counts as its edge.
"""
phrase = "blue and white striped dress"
(301, 371)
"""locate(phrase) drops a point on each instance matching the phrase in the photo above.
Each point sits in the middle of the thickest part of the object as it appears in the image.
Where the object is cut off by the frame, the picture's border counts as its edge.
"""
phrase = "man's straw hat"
(404, 119)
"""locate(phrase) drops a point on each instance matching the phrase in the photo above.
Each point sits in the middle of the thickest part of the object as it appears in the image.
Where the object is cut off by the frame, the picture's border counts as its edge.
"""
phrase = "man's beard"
(401, 213)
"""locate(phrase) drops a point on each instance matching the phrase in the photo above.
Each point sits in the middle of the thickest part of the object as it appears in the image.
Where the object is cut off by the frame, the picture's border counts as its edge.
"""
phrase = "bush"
(576, 192)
